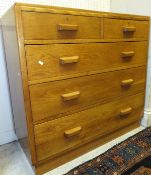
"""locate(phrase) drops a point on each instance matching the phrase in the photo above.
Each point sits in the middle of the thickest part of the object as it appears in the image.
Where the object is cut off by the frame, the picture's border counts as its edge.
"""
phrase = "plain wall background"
(131, 6)
(6, 119)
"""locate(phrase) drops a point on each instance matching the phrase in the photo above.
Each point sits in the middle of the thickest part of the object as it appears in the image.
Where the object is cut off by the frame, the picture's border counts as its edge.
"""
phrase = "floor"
(14, 162)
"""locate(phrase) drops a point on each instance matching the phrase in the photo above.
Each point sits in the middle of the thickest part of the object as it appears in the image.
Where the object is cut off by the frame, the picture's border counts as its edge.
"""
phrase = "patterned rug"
(131, 157)
(141, 171)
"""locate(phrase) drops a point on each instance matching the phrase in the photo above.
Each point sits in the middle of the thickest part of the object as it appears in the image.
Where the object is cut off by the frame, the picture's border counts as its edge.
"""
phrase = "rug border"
(120, 171)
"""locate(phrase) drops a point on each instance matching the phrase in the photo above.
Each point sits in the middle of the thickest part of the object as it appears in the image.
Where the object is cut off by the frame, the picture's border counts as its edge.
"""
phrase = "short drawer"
(49, 26)
(117, 29)
(47, 61)
(60, 97)
(61, 135)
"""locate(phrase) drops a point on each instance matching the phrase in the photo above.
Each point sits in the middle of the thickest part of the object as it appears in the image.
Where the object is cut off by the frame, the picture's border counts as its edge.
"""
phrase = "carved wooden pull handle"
(73, 132)
(125, 111)
(127, 82)
(69, 60)
(129, 29)
(128, 54)
(70, 96)
(67, 27)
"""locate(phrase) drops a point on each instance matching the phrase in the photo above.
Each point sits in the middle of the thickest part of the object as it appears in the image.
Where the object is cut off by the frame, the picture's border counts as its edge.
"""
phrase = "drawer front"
(46, 61)
(70, 132)
(116, 29)
(56, 26)
(52, 98)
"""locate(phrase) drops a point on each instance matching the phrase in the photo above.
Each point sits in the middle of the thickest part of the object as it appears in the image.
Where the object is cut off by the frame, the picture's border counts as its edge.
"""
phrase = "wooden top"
(62, 10)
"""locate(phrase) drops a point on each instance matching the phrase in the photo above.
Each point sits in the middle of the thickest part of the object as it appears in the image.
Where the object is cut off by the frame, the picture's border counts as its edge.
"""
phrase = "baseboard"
(146, 120)
(7, 137)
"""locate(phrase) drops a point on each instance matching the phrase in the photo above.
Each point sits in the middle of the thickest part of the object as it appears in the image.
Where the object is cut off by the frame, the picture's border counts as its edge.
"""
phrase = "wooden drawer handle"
(125, 111)
(69, 60)
(128, 54)
(127, 82)
(129, 29)
(67, 27)
(73, 132)
(70, 96)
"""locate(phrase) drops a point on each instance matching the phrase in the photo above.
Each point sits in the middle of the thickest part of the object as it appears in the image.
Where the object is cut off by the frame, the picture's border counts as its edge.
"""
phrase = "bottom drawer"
(69, 132)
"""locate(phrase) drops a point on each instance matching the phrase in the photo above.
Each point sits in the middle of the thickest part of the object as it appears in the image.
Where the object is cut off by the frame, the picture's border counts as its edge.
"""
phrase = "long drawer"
(119, 29)
(69, 132)
(58, 26)
(46, 61)
(52, 98)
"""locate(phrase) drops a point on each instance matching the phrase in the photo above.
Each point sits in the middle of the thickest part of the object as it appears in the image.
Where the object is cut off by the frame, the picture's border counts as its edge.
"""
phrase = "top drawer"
(127, 29)
(49, 26)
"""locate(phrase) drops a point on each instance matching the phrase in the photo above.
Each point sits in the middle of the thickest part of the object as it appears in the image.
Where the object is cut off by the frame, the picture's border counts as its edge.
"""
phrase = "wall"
(131, 6)
(6, 119)
(143, 8)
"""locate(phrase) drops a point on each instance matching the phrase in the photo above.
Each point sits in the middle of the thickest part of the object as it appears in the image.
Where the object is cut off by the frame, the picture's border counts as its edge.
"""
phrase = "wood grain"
(70, 96)
(73, 41)
(129, 29)
(126, 111)
(127, 82)
(113, 28)
(72, 132)
(73, 64)
(46, 98)
(92, 57)
(69, 60)
(81, 74)
(49, 164)
(37, 27)
(68, 27)
(73, 11)
(23, 67)
(95, 122)
(129, 54)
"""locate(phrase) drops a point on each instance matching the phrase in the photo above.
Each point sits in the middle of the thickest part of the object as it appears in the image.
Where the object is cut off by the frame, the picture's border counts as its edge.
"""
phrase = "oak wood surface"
(29, 120)
(126, 111)
(127, 82)
(69, 60)
(90, 57)
(70, 96)
(49, 164)
(47, 97)
(72, 132)
(73, 11)
(128, 54)
(67, 27)
(106, 49)
(95, 122)
(113, 28)
(81, 74)
(72, 41)
(37, 27)
(129, 29)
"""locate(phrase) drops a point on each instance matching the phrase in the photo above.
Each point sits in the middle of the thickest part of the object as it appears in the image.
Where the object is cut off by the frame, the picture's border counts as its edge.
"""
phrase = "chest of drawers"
(77, 78)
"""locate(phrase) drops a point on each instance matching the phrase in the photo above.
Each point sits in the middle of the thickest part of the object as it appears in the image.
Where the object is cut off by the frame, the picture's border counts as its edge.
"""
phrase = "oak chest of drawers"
(77, 78)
